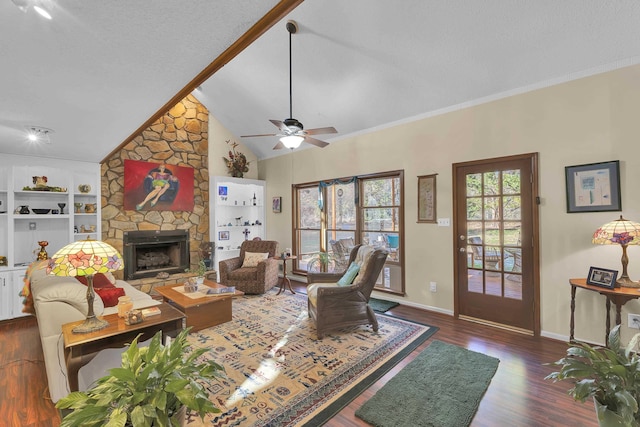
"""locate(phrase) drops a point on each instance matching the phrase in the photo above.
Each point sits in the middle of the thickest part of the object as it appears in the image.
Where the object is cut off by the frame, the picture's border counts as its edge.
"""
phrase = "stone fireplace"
(147, 253)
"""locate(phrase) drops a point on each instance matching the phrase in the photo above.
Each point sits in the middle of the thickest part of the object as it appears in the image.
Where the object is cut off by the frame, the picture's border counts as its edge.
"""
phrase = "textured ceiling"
(100, 69)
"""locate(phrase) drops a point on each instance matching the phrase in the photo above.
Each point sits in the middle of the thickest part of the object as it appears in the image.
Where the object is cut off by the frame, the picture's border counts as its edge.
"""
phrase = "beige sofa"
(59, 300)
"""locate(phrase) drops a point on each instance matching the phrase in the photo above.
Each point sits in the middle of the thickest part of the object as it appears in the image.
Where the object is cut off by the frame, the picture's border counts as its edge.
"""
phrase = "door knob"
(462, 237)
(462, 249)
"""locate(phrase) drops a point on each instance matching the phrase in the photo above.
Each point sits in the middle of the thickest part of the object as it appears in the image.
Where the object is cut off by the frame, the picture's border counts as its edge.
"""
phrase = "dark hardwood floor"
(517, 396)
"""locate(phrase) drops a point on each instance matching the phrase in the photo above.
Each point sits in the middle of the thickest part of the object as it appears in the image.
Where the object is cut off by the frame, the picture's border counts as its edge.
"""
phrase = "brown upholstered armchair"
(333, 307)
(251, 280)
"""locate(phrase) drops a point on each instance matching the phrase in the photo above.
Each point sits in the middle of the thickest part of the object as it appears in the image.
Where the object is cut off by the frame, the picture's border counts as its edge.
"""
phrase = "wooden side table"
(619, 297)
(80, 349)
(285, 282)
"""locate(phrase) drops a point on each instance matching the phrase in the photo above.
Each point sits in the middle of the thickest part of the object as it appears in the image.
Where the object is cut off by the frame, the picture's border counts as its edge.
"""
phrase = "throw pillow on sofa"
(252, 259)
(349, 275)
(100, 280)
(110, 296)
(102, 286)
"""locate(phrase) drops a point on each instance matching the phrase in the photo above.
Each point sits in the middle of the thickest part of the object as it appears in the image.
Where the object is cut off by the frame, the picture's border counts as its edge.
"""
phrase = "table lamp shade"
(86, 258)
(624, 233)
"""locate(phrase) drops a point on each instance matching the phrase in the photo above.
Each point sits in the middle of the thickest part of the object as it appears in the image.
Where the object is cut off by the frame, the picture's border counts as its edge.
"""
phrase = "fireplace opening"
(147, 253)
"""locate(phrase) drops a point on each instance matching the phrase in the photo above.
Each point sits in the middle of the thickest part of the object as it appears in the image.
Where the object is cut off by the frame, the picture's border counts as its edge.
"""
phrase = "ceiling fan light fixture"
(291, 141)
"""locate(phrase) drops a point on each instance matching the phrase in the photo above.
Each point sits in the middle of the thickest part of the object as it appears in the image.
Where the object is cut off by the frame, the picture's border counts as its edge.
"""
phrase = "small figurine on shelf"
(254, 199)
(43, 253)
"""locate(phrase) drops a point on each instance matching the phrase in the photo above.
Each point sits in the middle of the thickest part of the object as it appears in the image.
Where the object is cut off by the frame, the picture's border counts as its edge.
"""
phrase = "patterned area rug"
(279, 374)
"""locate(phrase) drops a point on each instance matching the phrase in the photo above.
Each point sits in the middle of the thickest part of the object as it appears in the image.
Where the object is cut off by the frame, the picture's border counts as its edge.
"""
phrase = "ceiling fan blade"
(264, 134)
(280, 125)
(278, 146)
(315, 142)
(320, 131)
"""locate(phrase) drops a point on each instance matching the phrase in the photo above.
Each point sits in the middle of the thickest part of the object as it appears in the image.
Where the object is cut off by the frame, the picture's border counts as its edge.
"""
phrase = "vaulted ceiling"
(100, 69)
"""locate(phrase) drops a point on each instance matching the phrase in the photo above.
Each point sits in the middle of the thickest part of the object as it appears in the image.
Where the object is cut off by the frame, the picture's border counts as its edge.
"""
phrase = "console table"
(80, 349)
(619, 297)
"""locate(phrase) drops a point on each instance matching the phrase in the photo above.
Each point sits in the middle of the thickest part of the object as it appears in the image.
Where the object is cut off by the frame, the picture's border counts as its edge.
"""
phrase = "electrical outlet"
(32, 226)
(433, 287)
(634, 321)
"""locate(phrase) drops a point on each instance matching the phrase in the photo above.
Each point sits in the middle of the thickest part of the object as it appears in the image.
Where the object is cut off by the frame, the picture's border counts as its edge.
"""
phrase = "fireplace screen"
(147, 253)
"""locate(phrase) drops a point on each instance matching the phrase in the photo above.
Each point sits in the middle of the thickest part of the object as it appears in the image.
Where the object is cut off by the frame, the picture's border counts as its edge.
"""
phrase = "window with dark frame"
(333, 216)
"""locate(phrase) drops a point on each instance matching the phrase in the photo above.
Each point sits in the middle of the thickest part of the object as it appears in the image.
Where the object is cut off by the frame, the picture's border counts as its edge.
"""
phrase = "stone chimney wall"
(181, 138)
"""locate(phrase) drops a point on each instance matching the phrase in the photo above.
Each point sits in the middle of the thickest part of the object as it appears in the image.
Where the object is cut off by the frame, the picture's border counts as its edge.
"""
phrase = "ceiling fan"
(292, 132)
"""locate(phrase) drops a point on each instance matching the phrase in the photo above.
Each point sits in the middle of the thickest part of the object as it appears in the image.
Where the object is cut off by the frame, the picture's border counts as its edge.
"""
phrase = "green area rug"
(380, 305)
(279, 374)
(441, 387)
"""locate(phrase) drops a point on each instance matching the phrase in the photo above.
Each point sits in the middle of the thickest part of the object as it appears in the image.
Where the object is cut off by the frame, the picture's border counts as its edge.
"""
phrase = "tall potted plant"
(610, 375)
(153, 387)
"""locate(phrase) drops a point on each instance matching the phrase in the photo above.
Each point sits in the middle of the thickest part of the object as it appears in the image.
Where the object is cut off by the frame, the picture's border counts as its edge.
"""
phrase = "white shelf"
(233, 198)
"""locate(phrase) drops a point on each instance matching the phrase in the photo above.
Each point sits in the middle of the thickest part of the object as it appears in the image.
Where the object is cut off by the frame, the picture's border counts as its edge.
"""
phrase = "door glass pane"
(511, 182)
(511, 207)
(492, 208)
(511, 233)
(474, 208)
(474, 185)
(491, 183)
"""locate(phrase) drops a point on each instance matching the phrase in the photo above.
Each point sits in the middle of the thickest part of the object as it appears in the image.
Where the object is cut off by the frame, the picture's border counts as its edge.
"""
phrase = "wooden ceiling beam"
(272, 17)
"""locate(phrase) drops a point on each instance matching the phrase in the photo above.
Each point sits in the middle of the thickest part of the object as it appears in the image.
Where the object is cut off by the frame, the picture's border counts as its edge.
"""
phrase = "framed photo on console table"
(594, 187)
(602, 277)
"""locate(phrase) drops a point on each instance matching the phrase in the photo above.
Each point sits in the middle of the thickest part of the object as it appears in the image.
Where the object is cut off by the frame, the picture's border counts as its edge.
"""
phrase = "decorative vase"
(78, 207)
(40, 181)
(43, 253)
(24, 209)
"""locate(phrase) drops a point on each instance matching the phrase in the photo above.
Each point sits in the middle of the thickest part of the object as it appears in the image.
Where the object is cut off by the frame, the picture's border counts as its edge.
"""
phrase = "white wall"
(584, 121)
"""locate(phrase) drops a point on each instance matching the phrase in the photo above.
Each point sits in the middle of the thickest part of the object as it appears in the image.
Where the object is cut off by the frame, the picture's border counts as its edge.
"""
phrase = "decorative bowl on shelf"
(40, 211)
(84, 188)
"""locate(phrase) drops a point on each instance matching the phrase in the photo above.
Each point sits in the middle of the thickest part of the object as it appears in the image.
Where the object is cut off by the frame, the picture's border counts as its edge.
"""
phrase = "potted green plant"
(200, 270)
(153, 387)
(322, 261)
(610, 375)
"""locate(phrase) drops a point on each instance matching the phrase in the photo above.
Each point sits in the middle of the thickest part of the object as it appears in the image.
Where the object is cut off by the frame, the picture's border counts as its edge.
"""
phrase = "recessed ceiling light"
(38, 133)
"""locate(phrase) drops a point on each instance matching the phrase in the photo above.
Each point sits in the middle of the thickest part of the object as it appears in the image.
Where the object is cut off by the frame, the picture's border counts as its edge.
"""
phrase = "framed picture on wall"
(223, 235)
(277, 204)
(427, 198)
(593, 187)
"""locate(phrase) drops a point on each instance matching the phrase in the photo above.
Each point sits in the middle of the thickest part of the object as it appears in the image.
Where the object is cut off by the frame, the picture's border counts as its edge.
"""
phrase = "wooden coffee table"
(80, 349)
(203, 312)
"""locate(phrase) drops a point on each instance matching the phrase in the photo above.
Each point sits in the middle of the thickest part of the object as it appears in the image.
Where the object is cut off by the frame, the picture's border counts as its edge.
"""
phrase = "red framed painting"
(157, 186)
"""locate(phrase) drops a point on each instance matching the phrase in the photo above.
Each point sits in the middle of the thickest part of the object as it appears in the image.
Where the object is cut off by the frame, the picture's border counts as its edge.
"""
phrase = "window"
(333, 216)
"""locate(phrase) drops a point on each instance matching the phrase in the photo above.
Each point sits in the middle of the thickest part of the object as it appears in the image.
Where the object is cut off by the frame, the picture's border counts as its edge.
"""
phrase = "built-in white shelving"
(237, 214)
(21, 228)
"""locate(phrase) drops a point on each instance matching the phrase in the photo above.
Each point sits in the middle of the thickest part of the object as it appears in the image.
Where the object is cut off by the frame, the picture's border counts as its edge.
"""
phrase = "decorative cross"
(246, 233)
